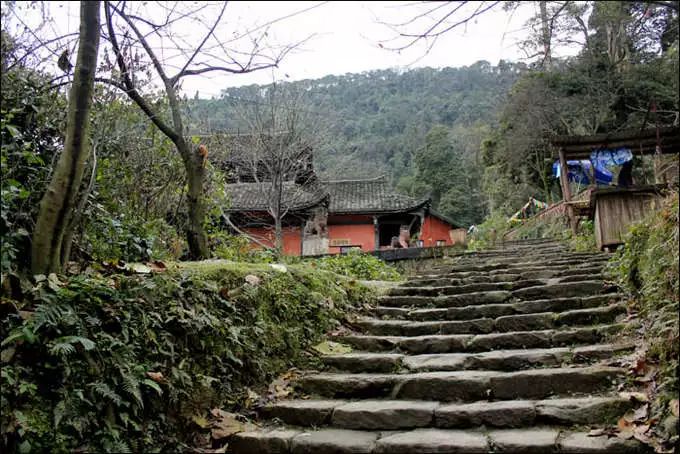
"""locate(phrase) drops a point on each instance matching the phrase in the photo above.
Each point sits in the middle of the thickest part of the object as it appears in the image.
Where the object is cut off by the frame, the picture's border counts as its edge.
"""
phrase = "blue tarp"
(604, 165)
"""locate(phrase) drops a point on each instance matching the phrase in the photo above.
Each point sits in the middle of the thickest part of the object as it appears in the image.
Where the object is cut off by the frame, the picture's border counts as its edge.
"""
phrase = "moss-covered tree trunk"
(57, 204)
(194, 164)
(196, 237)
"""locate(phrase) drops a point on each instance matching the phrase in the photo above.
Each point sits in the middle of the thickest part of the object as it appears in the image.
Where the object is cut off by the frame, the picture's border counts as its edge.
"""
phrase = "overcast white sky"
(346, 39)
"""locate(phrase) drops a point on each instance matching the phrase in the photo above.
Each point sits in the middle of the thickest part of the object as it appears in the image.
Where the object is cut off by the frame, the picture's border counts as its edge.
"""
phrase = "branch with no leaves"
(435, 31)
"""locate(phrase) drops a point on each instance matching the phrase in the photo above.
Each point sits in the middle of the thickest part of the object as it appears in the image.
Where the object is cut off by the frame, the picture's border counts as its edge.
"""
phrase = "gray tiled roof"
(254, 196)
(368, 196)
(346, 196)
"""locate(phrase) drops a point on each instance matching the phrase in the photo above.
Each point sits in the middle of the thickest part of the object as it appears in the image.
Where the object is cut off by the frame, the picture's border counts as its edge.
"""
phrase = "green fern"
(64, 346)
(102, 389)
(131, 386)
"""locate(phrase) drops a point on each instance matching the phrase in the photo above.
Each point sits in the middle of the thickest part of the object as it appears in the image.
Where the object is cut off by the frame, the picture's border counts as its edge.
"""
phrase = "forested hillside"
(376, 122)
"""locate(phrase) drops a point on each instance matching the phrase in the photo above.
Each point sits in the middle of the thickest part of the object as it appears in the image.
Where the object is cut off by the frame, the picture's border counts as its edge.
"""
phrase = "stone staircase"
(500, 351)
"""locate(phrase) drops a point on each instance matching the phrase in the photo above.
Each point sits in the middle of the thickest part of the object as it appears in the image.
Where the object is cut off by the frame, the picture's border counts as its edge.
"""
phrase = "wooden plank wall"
(614, 214)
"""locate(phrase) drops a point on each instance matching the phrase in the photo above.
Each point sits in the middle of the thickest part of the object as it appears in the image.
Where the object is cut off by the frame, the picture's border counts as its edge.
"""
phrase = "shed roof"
(640, 142)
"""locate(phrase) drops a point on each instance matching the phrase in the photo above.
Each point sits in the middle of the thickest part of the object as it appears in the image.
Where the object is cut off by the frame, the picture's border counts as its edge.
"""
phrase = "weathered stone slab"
(370, 343)
(364, 362)
(479, 311)
(581, 443)
(525, 322)
(265, 441)
(392, 312)
(445, 386)
(427, 314)
(518, 359)
(600, 351)
(524, 441)
(467, 299)
(590, 316)
(564, 290)
(511, 413)
(541, 383)
(434, 344)
(441, 361)
(349, 385)
(384, 414)
(480, 325)
(518, 339)
(430, 441)
(591, 410)
(334, 441)
(301, 412)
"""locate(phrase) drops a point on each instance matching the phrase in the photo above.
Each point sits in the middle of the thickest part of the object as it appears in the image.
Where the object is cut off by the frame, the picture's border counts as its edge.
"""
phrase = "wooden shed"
(615, 209)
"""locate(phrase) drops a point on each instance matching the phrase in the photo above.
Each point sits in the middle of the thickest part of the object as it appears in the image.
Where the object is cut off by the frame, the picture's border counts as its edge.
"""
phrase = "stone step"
(427, 441)
(504, 360)
(532, 272)
(464, 386)
(591, 273)
(458, 289)
(452, 343)
(515, 265)
(379, 414)
(556, 290)
(523, 257)
(522, 322)
(497, 310)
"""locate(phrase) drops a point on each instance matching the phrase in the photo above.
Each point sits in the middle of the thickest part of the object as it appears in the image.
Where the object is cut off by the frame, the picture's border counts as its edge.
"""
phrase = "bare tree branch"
(127, 85)
(200, 46)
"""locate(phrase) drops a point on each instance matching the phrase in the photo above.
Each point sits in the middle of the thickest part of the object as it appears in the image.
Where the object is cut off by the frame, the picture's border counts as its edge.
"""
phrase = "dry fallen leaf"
(156, 376)
(675, 407)
(157, 266)
(332, 348)
(200, 421)
(634, 396)
(641, 413)
(225, 424)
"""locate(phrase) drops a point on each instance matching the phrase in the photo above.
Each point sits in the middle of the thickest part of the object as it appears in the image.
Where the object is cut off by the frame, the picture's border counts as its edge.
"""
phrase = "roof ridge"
(380, 177)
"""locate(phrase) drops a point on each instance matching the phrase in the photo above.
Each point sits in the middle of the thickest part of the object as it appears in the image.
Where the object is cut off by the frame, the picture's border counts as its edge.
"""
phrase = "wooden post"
(566, 193)
(377, 233)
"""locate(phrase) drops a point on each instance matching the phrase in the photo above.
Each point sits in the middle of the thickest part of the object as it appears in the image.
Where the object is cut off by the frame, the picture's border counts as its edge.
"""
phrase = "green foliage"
(489, 233)
(121, 363)
(647, 266)
(358, 265)
(31, 121)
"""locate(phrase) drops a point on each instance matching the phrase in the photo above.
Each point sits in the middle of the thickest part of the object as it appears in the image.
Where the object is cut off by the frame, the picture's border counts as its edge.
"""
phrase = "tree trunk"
(58, 201)
(278, 234)
(546, 33)
(78, 213)
(195, 167)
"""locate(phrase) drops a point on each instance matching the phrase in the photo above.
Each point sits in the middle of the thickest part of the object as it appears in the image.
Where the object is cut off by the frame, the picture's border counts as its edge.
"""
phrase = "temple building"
(331, 217)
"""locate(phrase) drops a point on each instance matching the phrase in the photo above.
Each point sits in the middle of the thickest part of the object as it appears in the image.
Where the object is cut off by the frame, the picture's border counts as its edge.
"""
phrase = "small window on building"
(346, 249)
(441, 243)
(420, 243)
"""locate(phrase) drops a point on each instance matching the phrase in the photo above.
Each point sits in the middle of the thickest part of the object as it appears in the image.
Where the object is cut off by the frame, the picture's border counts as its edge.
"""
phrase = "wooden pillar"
(377, 233)
(566, 193)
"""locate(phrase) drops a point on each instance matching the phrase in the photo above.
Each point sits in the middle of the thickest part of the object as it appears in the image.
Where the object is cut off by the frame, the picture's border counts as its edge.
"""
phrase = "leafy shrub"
(131, 239)
(359, 266)
(647, 267)
(489, 232)
(123, 363)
